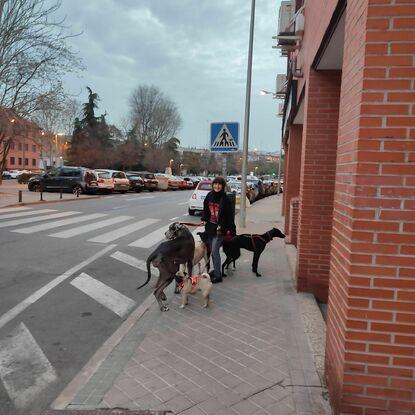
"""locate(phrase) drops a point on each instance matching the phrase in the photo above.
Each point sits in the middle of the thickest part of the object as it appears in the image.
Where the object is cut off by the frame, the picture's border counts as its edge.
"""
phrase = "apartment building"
(349, 199)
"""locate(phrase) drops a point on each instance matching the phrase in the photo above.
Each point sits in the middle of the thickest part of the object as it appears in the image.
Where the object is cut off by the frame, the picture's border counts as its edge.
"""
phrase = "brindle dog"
(167, 257)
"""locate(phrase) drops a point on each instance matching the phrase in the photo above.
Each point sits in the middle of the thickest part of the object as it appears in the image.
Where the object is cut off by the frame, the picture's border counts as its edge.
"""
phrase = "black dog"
(167, 257)
(253, 243)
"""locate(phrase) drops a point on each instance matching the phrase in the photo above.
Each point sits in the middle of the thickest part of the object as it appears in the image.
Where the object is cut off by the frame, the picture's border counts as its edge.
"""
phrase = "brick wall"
(293, 168)
(318, 167)
(370, 355)
(293, 222)
(284, 210)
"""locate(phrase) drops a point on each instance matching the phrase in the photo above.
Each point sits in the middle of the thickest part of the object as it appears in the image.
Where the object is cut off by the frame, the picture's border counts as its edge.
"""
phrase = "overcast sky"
(195, 51)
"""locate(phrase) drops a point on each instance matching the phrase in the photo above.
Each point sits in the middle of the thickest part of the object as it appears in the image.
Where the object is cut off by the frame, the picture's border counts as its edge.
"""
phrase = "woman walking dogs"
(219, 221)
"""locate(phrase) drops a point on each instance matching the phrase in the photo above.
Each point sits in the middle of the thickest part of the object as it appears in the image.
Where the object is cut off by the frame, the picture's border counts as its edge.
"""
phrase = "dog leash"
(191, 224)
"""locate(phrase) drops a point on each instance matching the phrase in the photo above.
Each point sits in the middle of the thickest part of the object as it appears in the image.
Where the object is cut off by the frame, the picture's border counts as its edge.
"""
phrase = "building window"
(26, 162)
(20, 147)
(33, 162)
(34, 149)
(26, 147)
(11, 161)
(20, 161)
(12, 145)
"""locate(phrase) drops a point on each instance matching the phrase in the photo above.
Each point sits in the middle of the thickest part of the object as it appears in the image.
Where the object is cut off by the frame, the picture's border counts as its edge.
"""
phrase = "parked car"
(136, 182)
(6, 175)
(189, 181)
(198, 196)
(150, 181)
(173, 182)
(119, 178)
(105, 181)
(74, 179)
(195, 180)
(163, 181)
(14, 173)
(182, 183)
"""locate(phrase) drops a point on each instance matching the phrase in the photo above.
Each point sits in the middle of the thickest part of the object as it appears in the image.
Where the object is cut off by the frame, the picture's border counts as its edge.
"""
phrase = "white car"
(198, 196)
(119, 178)
(105, 182)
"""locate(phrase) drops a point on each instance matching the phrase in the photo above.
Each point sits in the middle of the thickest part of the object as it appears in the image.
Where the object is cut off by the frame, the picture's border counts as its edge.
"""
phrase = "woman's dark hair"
(220, 180)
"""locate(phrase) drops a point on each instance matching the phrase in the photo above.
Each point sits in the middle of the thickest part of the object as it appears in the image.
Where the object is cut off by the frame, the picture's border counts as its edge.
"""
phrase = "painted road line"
(91, 227)
(18, 222)
(103, 294)
(14, 209)
(183, 203)
(150, 239)
(120, 207)
(125, 230)
(133, 261)
(32, 212)
(16, 310)
(173, 219)
(58, 223)
(24, 368)
(140, 198)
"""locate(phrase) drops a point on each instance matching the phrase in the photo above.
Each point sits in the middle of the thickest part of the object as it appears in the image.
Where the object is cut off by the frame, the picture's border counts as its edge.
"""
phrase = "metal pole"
(20, 196)
(224, 166)
(279, 172)
(242, 213)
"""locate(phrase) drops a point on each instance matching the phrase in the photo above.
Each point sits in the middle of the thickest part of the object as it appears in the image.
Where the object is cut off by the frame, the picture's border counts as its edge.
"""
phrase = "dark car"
(6, 175)
(136, 182)
(73, 179)
(150, 181)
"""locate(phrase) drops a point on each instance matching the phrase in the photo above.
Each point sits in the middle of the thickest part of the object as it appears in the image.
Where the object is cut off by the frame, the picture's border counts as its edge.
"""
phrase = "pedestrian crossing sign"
(224, 137)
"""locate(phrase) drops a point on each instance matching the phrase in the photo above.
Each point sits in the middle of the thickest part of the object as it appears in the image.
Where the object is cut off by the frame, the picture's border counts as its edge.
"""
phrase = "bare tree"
(34, 53)
(154, 117)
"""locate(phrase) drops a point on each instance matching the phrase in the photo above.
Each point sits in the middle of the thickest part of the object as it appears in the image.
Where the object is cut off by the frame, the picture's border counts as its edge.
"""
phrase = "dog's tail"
(149, 261)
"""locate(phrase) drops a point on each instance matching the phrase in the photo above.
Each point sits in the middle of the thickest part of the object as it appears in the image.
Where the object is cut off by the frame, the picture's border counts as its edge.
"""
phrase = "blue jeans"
(216, 243)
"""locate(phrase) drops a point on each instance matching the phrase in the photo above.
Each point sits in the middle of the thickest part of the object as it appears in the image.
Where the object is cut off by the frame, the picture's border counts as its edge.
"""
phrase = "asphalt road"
(67, 282)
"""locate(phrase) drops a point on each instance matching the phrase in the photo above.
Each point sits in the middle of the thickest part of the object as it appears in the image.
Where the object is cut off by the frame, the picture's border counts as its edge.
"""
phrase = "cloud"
(194, 51)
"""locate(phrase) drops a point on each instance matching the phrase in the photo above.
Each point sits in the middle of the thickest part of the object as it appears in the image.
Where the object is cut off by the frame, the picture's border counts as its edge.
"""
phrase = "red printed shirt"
(214, 212)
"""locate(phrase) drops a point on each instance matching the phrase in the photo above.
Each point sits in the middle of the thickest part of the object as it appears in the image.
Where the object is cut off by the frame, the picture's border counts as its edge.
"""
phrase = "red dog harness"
(259, 237)
(194, 279)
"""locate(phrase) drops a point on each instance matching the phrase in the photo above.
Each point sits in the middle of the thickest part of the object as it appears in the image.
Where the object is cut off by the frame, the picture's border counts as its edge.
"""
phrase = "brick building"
(23, 138)
(349, 201)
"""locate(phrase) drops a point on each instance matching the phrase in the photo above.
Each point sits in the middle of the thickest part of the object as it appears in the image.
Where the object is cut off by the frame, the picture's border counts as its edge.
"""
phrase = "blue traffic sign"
(224, 137)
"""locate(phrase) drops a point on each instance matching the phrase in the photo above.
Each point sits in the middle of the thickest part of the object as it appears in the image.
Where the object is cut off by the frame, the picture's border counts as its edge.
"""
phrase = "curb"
(40, 202)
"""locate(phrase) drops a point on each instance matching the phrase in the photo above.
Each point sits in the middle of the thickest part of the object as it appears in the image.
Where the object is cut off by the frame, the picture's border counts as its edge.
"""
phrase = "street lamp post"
(242, 213)
(180, 168)
(170, 165)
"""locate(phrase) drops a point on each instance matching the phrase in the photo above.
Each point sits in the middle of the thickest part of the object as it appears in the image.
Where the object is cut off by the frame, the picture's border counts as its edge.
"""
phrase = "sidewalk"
(9, 195)
(246, 354)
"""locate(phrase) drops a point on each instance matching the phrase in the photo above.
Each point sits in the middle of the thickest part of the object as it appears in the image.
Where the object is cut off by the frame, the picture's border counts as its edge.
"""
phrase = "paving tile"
(178, 404)
(166, 394)
(211, 406)
(245, 408)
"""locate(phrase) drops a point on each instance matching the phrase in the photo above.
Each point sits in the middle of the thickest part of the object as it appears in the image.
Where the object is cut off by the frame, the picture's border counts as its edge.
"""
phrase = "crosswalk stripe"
(58, 223)
(17, 222)
(150, 239)
(125, 230)
(91, 227)
(22, 358)
(183, 203)
(140, 198)
(14, 209)
(103, 294)
(133, 261)
(32, 212)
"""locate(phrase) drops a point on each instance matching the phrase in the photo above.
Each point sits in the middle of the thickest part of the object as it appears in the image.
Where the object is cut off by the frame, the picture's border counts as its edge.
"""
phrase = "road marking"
(120, 207)
(129, 259)
(14, 209)
(173, 219)
(125, 230)
(186, 214)
(183, 203)
(103, 294)
(91, 227)
(150, 239)
(16, 310)
(33, 212)
(36, 219)
(58, 223)
(24, 368)
(140, 198)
